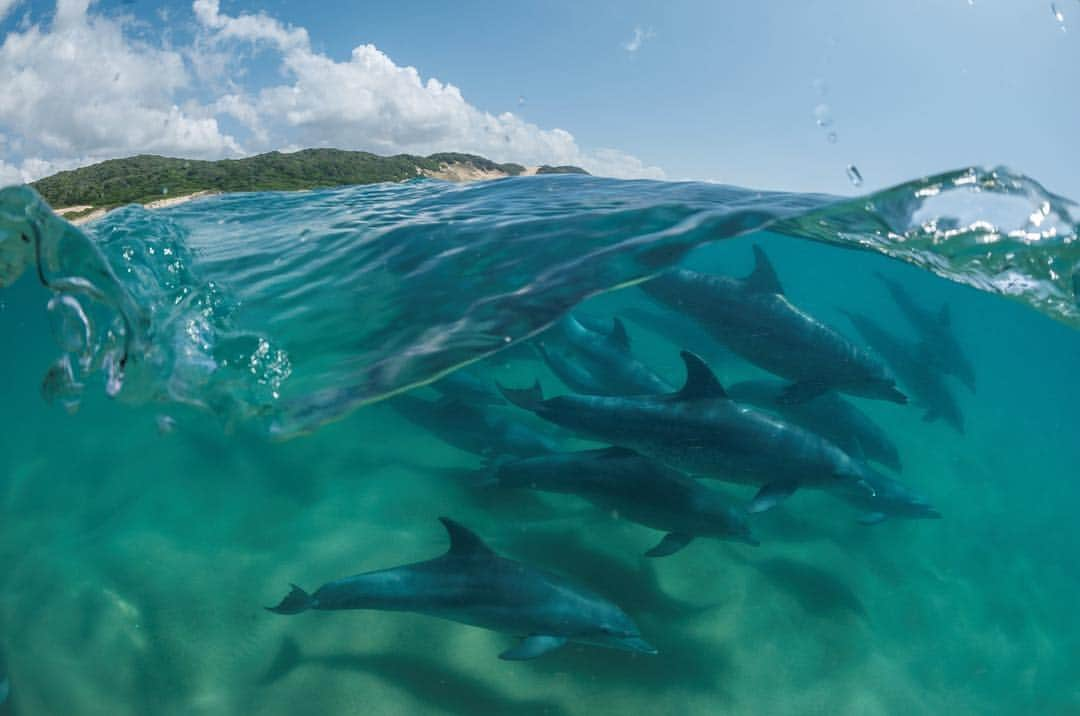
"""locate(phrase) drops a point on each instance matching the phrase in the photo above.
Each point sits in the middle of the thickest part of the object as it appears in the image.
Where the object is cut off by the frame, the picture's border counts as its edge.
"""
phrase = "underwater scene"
(544, 445)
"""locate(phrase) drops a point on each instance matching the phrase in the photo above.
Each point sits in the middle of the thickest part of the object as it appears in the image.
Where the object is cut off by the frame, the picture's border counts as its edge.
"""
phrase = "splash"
(292, 309)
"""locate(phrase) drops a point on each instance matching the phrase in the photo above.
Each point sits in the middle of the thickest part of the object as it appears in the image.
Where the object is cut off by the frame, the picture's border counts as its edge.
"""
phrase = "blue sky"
(729, 92)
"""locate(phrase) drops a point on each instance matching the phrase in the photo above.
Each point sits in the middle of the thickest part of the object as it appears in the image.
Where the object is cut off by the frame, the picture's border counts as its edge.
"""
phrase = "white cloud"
(82, 87)
(640, 36)
(7, 6)
(86, 87)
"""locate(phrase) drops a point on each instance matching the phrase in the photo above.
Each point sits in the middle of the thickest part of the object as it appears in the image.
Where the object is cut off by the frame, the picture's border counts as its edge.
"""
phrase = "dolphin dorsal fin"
(618, 336)
(700, 383)
(463, 541)
(763, 278)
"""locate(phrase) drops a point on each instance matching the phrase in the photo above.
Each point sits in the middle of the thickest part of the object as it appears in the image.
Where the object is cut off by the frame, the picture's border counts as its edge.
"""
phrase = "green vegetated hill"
(147, 177)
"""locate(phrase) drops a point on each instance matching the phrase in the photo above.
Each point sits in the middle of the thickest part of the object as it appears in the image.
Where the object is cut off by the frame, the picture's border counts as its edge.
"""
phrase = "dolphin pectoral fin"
(532, 647)
(872, 518)
(772, 494)
(525, 398)
(802, 391)
(670, 544)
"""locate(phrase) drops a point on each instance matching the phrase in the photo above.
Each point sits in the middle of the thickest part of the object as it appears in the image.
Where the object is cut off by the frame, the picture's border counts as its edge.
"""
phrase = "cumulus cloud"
(640, 36)
(7, 6)
(86, 87)
(83, 87)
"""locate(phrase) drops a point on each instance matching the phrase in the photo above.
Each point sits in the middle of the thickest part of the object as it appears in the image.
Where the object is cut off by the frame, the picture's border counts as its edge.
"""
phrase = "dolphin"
(596, 363)
(639, 489)
(914, 370)
(755, 320)
(471, 584)
(702, 431)
(890, 498)
(828, 415)
(472, 428)
(935, 332)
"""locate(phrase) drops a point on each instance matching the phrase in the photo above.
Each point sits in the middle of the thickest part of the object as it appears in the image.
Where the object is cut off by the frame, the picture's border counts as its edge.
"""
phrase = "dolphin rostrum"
(471, 584)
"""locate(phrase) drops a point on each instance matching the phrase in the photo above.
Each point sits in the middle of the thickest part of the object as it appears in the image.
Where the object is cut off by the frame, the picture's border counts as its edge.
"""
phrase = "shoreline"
(447, 173)
(86, 218)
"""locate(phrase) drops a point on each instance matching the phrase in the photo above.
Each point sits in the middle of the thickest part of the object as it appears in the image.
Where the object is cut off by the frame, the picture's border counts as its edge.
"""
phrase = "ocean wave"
(288, 310)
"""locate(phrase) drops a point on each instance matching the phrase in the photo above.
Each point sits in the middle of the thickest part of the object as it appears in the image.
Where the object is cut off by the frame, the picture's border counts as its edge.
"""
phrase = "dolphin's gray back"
(767, 329)
(718, 438)
(486, 591)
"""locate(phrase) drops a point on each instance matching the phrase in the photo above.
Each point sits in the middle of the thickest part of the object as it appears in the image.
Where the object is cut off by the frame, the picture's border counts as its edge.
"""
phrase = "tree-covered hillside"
(147, 177)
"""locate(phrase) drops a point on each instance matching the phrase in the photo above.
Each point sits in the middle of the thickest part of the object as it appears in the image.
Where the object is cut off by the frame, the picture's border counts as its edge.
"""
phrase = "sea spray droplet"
(823, 116)
(853, 175)
(831, 137)
(1058, 15)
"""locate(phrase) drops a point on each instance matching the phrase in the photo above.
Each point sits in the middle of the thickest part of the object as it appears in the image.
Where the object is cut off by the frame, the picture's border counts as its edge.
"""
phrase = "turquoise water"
(224, 436)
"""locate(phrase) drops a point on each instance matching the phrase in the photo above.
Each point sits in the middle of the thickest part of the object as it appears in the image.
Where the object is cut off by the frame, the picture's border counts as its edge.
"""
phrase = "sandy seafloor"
(134, 565)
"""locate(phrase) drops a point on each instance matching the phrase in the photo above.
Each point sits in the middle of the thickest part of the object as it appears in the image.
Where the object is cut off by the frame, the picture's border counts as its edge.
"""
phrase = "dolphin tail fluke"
(295, 601)
(526, 398)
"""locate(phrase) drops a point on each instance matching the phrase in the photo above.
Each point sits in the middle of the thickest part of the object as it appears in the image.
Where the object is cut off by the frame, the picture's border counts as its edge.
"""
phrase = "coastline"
(455, 173)
(84, 218)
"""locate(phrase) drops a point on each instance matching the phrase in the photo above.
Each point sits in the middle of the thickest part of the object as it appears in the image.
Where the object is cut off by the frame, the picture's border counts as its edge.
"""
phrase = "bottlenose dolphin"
(915, 371)
(890, 498)
(596, 363)
(755, 320)
(472, 428)
(828, 415)
(935, 331)
(470, 584)
(639, 489)
(702, 431)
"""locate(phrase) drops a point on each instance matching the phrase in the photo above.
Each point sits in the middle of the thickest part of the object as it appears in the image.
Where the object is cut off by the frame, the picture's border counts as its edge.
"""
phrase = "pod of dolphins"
(779, 435)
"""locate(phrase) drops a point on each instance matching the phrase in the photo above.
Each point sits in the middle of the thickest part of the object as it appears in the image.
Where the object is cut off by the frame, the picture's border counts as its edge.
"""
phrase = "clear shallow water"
(138, 554)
